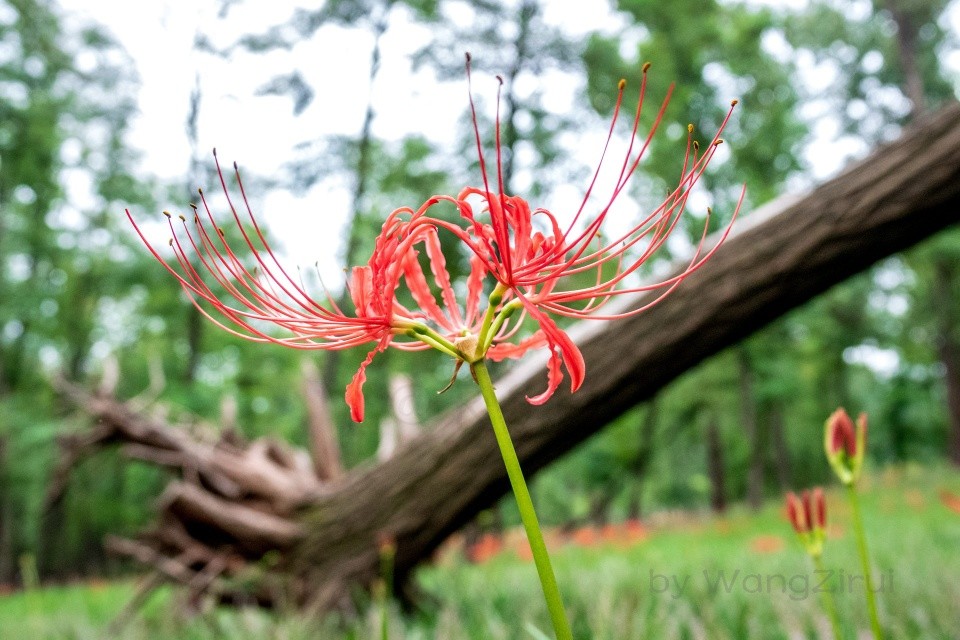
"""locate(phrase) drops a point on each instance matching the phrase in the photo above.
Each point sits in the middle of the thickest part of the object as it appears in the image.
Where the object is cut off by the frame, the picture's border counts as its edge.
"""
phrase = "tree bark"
(777, 259)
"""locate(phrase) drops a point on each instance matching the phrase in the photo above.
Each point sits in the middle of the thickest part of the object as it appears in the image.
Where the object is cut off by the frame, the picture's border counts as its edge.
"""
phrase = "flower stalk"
(829, 604)
(808, 515)
(865, 561)
(846, 446)
(528, 515)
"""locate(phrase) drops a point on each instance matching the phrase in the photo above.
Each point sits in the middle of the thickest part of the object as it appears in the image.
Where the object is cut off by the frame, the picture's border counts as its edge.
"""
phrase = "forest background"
(820, 82)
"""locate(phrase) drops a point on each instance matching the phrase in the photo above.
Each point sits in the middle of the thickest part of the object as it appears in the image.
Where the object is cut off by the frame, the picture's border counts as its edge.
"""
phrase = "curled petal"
(558, 338)
(507, 350)
(354, 393)
(554, 378)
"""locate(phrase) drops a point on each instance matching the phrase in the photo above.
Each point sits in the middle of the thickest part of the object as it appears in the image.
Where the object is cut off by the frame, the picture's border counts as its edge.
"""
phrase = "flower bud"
(808, 515)
(844, 445)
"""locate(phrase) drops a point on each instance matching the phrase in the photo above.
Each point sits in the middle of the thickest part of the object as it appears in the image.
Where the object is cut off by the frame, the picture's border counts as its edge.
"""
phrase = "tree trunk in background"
(6, 514)
(641, 460)
(361, 175)
(755, 433)
(716, 468)
(778, 258)
(948, 348)
(780, 448)
(324, 448)
(525, 14)
(907, 49)
(194, 335)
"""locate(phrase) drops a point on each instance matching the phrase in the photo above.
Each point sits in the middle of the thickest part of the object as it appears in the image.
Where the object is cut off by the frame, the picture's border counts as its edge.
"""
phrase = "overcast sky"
(260, 132)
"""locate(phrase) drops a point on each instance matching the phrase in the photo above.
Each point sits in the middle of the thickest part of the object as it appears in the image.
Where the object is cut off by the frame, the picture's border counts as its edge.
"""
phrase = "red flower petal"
(506, 350)
(557, 337)
(554, 378)
(354, 393)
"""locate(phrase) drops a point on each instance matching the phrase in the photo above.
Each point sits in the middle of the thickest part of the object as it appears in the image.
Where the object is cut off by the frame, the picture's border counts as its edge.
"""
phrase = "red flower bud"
(841, 433)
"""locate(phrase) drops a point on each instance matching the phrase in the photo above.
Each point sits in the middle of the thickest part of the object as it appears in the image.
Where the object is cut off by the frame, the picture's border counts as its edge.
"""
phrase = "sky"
(260, 132)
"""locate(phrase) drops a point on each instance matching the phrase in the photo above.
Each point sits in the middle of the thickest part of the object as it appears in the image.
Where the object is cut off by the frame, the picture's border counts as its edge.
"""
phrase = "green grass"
(615, 593)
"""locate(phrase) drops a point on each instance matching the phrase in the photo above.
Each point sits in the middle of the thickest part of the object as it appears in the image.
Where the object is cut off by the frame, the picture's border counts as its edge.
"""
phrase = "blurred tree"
(714, 52)
(67, 96)
(886, 56)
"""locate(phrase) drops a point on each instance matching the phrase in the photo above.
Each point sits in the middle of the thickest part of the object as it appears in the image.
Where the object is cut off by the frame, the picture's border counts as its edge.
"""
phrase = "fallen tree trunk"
(778, 259)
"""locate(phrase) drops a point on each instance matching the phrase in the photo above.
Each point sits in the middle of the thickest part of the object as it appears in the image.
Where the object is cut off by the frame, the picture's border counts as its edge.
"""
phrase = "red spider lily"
(249, 299)
(529, 265)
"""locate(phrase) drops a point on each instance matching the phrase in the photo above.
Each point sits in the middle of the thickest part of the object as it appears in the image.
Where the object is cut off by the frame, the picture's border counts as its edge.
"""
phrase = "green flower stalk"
(808, 515)
(845, 448)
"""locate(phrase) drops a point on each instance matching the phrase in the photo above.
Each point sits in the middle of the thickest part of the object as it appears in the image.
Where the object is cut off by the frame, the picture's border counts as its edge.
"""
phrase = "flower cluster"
(523, 254)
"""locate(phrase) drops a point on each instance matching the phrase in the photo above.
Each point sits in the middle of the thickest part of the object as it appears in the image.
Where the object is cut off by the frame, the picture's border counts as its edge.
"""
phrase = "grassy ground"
(742, 576)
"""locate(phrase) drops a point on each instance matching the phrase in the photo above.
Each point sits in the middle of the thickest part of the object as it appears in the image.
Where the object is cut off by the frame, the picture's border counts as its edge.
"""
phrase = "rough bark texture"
(778, 259)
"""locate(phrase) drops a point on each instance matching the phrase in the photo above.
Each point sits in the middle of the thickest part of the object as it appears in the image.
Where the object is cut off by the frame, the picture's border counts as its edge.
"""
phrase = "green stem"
(429, 336)
(865, 561)
(527, 514)
(828, 602)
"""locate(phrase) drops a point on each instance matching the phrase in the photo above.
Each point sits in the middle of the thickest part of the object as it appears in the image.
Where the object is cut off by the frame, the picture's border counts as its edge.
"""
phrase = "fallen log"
(781, 256)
